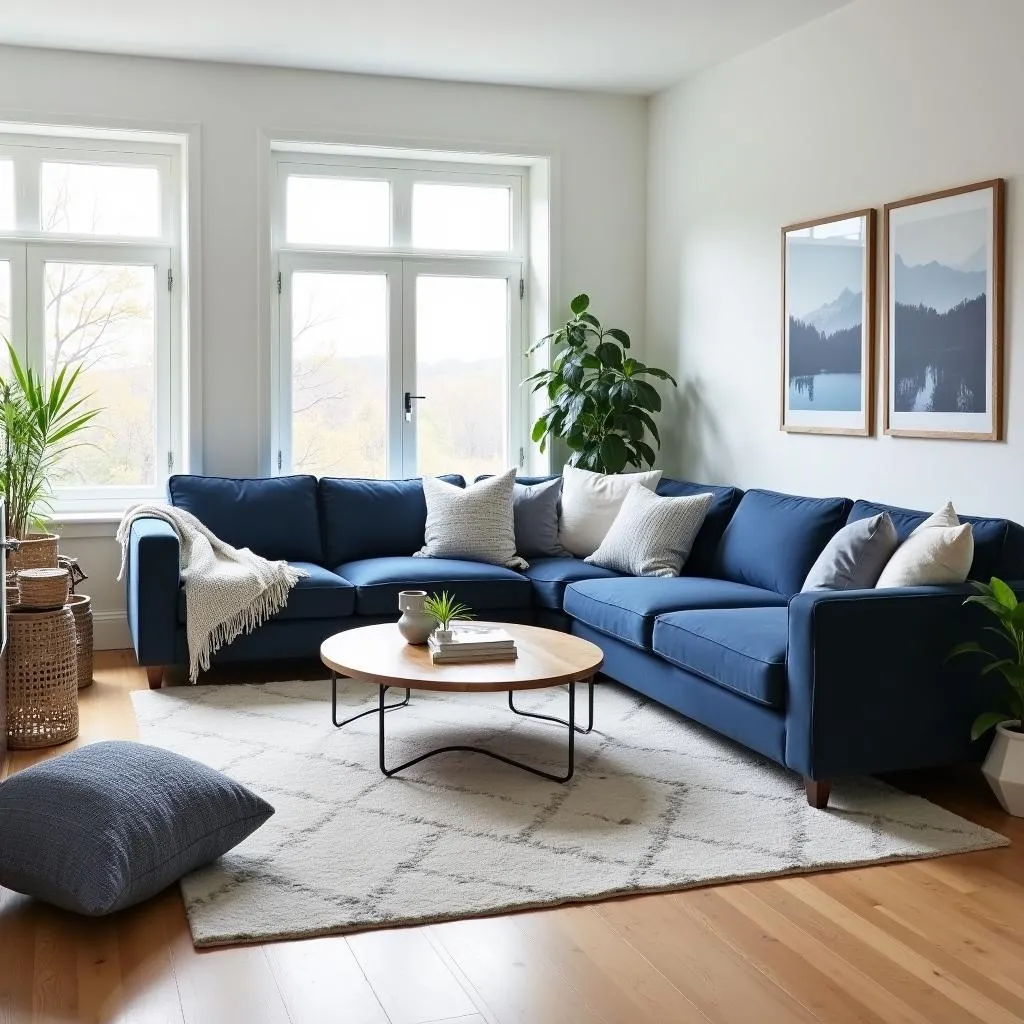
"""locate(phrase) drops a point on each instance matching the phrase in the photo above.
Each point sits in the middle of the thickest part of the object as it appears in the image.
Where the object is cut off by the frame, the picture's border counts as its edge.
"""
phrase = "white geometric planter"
(1004, 768)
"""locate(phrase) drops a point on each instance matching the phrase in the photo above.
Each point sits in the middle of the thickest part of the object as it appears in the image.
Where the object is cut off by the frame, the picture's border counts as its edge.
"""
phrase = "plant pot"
(36, 551)
(415, 625)
(1004, 767)
(443, 636)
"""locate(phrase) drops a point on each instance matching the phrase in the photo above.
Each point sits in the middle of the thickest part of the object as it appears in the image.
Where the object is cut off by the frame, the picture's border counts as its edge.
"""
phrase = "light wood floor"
(932, 942)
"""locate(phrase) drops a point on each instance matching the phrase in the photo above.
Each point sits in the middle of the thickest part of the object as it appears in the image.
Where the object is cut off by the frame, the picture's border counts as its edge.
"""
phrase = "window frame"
(290, 257)
(28, 248)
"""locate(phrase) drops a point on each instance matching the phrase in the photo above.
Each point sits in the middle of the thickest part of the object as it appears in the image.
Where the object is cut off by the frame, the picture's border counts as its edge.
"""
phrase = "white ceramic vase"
(1004, 768)
(415, 624)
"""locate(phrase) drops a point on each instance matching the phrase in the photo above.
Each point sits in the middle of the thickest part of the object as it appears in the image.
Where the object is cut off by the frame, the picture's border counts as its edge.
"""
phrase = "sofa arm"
(869, 688)
(151, 585)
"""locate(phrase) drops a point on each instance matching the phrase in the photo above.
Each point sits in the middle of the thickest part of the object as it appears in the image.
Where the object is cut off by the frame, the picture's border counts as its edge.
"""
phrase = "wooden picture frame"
(829, 268)
(944, 256)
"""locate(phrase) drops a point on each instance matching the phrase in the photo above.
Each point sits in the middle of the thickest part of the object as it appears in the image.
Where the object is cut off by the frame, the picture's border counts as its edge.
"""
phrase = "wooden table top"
(379, 654)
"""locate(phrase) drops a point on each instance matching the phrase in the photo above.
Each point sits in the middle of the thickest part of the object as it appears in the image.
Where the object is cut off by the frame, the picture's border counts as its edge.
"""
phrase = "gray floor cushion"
(111, 824)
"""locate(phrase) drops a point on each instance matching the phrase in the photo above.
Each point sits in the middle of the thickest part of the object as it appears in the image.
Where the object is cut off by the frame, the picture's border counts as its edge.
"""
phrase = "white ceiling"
(635, 46)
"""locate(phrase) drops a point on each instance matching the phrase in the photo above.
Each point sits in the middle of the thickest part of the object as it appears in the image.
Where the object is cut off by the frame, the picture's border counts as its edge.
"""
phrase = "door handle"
(409, 396)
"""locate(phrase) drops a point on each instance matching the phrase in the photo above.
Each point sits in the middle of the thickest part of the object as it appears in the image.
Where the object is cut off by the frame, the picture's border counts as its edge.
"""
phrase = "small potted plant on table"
(444, 610)
(1004, 765)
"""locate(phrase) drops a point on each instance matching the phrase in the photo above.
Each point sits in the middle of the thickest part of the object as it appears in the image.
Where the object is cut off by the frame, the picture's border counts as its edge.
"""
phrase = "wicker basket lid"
(42, 575)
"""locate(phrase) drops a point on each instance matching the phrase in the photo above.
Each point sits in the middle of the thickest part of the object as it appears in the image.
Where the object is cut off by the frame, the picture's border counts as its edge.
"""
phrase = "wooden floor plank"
(413, 983)
(712, 975)
(926, 942)
(320, 980)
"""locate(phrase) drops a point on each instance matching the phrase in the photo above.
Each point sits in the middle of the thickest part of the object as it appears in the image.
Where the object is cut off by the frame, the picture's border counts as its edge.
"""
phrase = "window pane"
(338, 211)
(5, 315)
(102, 317)
(6, 195)
(339, 374)
(462, 329)
(101, 199)
(475, 218)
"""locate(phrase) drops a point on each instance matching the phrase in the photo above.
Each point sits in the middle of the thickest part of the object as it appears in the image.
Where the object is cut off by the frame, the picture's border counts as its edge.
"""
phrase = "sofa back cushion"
(276, 517)
(773, 539)
(372, 518)
(998, 543)
(724, 502)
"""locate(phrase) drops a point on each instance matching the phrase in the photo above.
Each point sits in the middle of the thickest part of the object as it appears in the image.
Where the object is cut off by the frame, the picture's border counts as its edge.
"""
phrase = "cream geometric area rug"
(657, 803)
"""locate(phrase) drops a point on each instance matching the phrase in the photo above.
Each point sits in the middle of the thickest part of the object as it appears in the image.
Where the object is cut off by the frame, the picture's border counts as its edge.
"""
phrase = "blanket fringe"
(269, 603)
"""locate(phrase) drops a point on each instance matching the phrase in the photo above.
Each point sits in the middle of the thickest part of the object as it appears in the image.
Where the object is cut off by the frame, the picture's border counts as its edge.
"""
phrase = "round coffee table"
(378, 654)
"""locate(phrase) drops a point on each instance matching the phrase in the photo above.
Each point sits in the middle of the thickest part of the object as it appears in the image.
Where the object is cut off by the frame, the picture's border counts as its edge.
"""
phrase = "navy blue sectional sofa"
(826, 683)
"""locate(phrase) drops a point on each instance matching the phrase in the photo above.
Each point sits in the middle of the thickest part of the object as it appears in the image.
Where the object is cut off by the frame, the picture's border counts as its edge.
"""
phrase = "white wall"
(881, 100)
(597, 144)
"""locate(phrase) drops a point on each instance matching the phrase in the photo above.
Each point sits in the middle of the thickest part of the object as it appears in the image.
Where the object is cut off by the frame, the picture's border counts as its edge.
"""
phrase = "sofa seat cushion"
(481, 586)
(550, 577)
(321, 595)
(773, 539)
(741, 649)
(276, 517)
(998, 543)
(626, 608)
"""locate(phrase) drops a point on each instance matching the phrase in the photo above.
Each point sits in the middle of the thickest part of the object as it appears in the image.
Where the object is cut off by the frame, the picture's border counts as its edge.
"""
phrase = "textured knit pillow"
(590, 503)
(111, 824)
(855, 557)
(652, 536)
(535, 510)
(940, 551)
(475, 523)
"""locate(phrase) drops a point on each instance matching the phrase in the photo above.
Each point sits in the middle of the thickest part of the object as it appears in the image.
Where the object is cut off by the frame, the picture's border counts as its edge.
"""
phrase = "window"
(90, 252)
(398, 334)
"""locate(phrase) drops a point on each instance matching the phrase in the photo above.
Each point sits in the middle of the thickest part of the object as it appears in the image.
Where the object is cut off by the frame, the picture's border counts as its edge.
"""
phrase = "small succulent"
(444, 609)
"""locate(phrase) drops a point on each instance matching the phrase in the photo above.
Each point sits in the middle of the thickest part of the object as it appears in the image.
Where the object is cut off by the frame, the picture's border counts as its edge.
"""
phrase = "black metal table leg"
(362, 714)
(487, 753)
(560, 721)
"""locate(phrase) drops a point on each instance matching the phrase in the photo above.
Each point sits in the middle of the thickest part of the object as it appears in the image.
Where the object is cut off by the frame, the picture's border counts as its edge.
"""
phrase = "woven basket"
(43, 588)
(81, 608)
(42, 679)
(37, 551)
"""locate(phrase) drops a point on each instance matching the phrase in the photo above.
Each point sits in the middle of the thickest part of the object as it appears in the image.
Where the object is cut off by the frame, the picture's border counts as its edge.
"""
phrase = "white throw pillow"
(940, 551)
(590, 503)
(651, 535)
(475, 522)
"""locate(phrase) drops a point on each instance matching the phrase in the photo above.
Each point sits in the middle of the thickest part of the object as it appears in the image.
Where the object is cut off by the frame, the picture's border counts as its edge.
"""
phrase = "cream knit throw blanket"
(228, 590)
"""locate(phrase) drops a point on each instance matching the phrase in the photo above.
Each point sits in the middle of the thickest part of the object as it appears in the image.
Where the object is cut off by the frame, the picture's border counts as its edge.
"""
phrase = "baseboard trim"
(110, 631)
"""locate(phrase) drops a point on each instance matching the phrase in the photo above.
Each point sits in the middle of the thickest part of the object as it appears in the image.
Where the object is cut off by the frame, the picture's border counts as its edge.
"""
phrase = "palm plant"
(37, 424)
(997, 598)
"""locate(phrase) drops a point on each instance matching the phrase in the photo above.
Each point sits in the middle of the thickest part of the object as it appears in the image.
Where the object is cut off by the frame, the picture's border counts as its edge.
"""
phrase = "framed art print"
(828, 276)
(943, 314)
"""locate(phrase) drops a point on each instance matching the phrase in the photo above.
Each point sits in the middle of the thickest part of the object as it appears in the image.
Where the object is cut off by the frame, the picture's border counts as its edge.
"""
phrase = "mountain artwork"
(942, 313)
(827, 325)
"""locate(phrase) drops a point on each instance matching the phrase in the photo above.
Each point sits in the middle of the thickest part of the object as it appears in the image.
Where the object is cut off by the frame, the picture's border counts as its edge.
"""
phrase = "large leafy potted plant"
(38, 424)
(602, 402)
(1004, 765)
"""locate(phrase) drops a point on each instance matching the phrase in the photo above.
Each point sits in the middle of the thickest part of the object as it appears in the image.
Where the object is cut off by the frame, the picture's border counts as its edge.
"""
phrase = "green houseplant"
(38, 423)
(1004, 765)
(444, 610)
(602, 404)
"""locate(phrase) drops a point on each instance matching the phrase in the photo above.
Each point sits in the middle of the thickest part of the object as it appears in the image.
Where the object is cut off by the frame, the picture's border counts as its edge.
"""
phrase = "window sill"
(77, 525)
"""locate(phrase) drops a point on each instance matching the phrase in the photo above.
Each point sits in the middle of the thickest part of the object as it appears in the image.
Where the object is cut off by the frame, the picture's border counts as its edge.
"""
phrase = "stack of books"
(473, 643)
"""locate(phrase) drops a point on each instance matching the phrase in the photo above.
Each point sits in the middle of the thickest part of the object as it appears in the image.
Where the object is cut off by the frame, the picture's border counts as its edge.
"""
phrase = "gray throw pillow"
(535, 509)
(111, 824)
(855, 557)
(475, 523)
(652, 535)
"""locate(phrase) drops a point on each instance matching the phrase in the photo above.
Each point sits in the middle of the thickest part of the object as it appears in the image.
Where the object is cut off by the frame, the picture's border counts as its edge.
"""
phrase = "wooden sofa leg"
(155, 675)
(817, 793)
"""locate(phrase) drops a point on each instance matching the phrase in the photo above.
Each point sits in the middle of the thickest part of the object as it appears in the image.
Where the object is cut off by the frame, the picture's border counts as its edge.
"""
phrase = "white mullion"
(281, 453)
